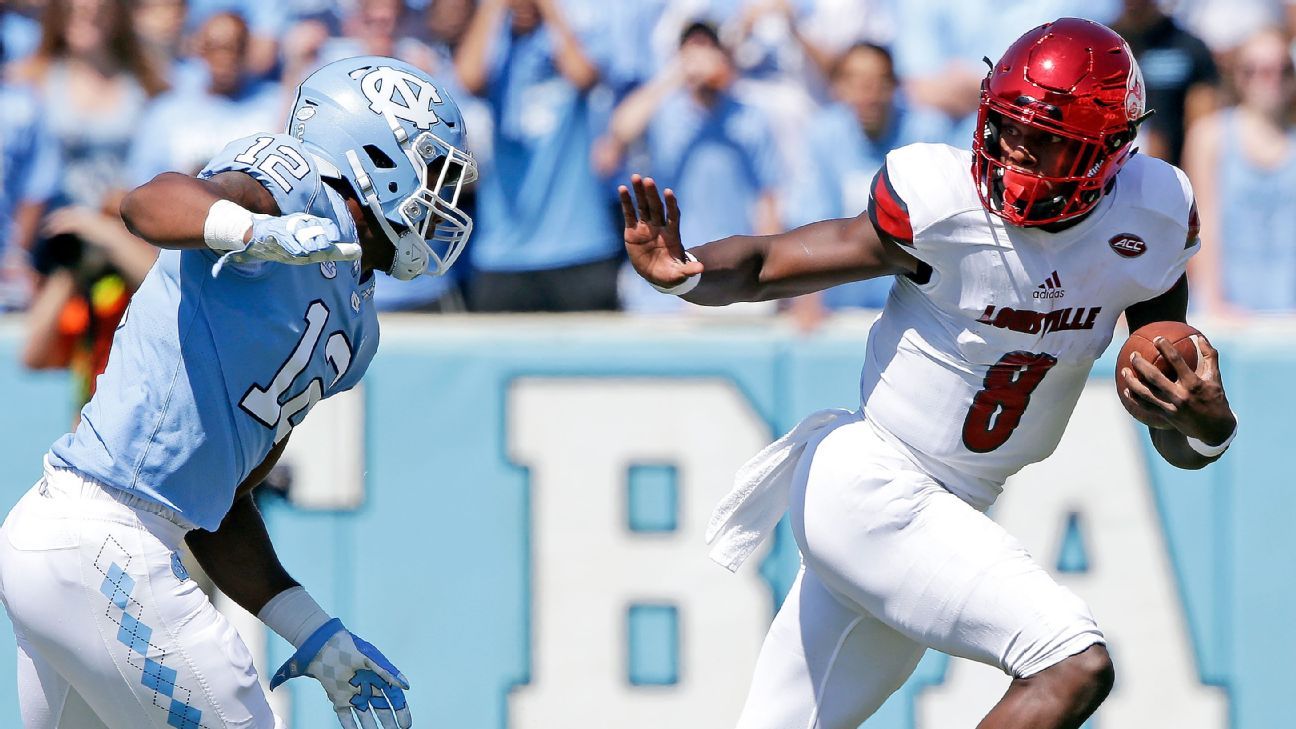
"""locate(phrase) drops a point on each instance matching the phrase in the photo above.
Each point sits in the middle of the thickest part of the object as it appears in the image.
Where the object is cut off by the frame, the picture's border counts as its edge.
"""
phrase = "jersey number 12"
(281, 165)
(266, 404)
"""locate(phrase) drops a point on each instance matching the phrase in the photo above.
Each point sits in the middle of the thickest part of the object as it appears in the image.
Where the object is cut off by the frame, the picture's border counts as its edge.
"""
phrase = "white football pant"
(895, 564)
(111, 631)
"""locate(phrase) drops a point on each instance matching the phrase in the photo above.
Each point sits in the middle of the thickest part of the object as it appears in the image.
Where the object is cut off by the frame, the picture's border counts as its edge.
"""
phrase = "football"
(1177, 333)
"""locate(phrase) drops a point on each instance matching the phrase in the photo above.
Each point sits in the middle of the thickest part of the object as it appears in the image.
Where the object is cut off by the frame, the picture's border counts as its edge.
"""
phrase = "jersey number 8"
(997, 409)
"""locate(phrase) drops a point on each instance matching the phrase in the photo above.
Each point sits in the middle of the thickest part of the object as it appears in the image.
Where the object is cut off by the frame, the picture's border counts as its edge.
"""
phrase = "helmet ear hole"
(392, 186)
(379, 158)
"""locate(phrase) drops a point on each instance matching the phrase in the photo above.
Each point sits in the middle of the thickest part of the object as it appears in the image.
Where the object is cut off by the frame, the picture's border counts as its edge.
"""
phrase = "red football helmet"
(1074, 84)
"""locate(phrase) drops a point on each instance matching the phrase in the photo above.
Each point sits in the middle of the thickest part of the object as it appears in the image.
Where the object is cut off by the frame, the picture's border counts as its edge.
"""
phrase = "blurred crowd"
(762, 114)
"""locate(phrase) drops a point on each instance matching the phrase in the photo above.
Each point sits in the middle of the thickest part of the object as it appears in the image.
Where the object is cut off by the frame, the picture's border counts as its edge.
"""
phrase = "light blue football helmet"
(387, 129)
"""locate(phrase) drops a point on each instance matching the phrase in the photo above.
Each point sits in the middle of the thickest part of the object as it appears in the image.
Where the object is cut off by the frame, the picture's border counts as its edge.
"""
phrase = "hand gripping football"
(1142, 341)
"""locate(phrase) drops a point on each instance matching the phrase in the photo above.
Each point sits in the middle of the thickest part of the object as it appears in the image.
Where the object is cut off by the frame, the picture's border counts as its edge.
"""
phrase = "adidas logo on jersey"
(1051, 288)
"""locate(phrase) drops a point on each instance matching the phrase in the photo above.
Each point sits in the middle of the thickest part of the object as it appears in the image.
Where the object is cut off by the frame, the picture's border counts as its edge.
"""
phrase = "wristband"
(227, 222)
(1211, 451)
(294, 615)
(684, 286)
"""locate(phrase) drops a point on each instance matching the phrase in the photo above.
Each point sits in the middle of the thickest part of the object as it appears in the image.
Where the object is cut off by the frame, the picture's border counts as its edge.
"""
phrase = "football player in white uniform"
(1012, 264)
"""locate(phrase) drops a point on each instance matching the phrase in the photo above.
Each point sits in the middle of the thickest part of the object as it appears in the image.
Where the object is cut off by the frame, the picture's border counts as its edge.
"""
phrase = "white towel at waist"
(759, 497)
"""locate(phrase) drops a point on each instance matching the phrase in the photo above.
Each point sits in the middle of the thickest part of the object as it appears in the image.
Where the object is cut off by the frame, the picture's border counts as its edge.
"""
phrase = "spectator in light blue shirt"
(1242, 161)
(545, 238)
(716, 152)
(19, 35)
(29, 176)
(186, 127)
(848, 142)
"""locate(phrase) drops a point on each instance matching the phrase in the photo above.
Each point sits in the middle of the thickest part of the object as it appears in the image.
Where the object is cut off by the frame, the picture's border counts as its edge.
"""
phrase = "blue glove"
(358, 679)
(296, 238)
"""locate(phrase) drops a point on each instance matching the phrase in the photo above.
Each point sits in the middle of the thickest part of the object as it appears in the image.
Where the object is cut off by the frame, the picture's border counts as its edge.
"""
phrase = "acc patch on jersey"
(1128, 245)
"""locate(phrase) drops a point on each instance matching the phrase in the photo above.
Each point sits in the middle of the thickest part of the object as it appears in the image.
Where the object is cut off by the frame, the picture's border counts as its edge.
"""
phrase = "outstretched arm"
(1192, 406)
(232, 214)
(753, 268)
(170, 210)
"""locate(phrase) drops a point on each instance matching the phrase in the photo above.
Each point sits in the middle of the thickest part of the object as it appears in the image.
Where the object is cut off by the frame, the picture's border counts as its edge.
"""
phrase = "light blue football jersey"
(207, 374)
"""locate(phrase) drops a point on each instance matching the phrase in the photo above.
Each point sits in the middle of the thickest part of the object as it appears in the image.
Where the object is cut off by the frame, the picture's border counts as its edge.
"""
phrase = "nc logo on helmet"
(402, 95)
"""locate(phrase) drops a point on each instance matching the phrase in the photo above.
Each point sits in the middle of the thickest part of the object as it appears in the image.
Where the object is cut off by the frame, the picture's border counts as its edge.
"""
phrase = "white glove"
(357, 677)
(296, 238)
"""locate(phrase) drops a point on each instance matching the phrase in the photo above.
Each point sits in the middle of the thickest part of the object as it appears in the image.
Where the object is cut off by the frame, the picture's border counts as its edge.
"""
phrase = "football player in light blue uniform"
(260, 305)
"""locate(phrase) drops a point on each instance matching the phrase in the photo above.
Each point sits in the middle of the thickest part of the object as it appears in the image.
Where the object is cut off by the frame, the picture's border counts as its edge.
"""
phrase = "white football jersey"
(975, 366)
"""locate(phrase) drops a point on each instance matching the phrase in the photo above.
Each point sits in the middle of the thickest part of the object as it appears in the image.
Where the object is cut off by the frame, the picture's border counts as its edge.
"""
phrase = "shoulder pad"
(1160, 188)
(1160, 196)
(887, 209)
(931, 182)
(278, 162)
